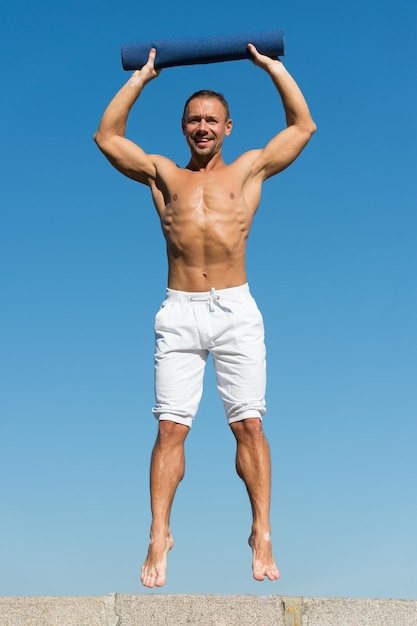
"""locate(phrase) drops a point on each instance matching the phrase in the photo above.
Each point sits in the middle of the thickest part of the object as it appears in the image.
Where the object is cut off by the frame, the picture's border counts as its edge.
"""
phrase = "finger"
(151, 61)
(151, 56)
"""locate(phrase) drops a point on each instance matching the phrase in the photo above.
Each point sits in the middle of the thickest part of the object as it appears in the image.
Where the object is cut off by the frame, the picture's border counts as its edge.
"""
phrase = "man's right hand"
(147, 72)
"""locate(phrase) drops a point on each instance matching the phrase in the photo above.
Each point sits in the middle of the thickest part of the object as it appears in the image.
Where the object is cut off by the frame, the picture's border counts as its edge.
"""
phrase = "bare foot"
(263, 563)
(154, 569)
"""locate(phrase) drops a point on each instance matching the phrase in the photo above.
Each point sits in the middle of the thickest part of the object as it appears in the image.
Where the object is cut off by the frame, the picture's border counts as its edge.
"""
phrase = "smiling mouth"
(202, 140)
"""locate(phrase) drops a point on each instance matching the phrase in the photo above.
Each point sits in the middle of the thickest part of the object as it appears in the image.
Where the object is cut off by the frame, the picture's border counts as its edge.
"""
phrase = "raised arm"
(122, 153)
(285, 147)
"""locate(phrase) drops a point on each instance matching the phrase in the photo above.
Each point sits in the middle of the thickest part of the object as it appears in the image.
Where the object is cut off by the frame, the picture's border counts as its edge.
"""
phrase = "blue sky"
(331, 260)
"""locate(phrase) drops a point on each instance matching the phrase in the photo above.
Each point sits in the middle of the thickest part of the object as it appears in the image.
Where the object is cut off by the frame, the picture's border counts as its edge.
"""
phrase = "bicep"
(281, 151)
(128, 158)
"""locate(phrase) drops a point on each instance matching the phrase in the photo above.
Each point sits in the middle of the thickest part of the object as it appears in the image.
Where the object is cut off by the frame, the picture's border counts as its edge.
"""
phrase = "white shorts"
(188, 327)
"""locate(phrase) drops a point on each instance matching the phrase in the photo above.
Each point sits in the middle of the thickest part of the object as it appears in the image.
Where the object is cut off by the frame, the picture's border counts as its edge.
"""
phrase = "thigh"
(179, 381)
(179, 363)
(240, 363)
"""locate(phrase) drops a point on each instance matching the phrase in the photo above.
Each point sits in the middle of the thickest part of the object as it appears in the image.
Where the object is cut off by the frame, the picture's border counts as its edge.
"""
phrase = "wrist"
(135, 79)
(277, 68)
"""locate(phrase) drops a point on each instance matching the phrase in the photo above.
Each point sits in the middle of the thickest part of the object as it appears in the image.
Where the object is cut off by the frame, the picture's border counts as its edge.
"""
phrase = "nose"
(202, 126)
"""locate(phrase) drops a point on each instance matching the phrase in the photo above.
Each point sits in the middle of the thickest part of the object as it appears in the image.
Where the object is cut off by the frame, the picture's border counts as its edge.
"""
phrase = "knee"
(249, 429)
(171, 433)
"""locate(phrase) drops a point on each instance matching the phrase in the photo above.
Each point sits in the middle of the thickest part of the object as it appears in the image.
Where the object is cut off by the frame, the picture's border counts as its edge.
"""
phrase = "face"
(205, 126)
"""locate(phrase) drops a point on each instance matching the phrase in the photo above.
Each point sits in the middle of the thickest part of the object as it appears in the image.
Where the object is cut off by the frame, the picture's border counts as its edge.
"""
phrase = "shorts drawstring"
(215, 299)
(212, 298)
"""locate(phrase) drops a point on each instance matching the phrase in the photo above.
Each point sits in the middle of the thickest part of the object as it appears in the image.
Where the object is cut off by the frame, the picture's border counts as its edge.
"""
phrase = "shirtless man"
(206, 210)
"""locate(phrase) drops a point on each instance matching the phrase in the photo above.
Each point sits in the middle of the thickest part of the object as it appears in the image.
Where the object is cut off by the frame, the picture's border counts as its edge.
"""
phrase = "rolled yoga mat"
(173, 52)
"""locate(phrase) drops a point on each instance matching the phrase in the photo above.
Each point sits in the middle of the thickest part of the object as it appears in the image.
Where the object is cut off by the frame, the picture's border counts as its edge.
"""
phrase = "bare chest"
(203, 200)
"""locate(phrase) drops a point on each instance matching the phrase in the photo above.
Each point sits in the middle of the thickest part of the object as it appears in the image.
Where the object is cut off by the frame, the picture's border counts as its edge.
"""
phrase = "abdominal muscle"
(205, 253)
(183, 276)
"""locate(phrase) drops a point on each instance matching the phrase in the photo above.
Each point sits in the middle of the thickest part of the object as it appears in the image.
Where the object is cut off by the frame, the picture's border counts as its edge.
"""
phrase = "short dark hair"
(208, 93)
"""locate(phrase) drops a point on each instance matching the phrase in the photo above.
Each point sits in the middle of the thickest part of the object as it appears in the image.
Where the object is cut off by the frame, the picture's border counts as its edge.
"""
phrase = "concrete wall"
(205, 610)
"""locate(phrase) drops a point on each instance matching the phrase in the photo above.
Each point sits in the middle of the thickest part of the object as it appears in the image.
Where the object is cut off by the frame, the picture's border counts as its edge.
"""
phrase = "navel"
(231, 195)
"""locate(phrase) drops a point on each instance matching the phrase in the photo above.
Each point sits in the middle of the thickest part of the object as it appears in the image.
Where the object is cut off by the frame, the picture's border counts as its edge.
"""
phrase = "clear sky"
(332, 262)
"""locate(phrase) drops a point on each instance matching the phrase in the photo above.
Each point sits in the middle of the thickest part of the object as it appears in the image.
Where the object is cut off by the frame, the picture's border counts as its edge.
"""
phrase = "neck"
(200, 162)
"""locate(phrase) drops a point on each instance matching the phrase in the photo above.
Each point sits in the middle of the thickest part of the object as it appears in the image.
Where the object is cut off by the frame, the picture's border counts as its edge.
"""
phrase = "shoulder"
(163, 163)
(244, 165)
(246, 159)
(162, 168)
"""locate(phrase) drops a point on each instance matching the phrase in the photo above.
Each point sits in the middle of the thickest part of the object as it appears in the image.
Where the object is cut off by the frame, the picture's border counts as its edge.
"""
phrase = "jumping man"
(206, 210)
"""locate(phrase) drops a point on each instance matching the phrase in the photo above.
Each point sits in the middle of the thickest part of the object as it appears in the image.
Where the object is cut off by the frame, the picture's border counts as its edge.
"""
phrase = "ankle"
(260, 532)
(159, 531)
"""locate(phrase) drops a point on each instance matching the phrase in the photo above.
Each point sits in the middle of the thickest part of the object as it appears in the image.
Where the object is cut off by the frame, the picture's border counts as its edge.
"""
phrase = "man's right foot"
(263, 564)
(153, 572)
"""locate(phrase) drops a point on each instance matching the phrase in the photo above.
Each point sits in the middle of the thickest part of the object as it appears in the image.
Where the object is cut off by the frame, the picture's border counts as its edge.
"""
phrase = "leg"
(253, 465)
(167, 470)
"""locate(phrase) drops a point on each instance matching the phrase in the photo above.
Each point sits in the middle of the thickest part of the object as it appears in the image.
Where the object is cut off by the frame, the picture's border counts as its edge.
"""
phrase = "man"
(206, 210)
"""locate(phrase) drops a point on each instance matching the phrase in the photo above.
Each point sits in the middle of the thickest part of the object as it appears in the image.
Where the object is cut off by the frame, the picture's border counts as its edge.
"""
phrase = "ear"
(229, 126)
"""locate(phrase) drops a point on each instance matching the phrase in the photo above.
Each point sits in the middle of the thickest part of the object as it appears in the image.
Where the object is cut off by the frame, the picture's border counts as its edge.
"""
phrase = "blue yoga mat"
(173, 52)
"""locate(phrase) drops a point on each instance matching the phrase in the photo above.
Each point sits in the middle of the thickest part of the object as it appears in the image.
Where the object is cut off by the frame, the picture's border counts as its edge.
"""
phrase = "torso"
(206, 217)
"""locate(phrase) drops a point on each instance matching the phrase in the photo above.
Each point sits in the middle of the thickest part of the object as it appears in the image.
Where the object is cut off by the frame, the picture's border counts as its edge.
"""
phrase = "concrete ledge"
(205, 610)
